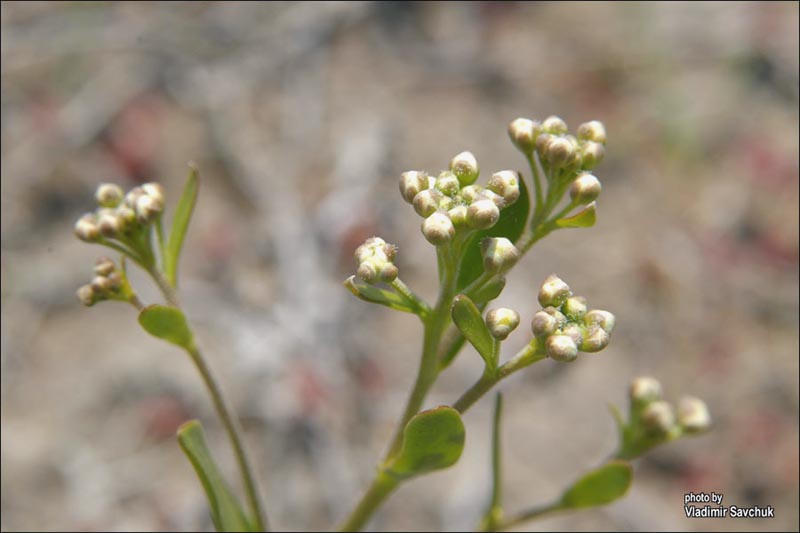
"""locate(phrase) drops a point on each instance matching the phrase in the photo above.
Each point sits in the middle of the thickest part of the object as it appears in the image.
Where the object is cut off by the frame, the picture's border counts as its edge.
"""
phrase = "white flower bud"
(574, 307)
(427, 202)
(448, 183)
(495, 198)
(554, 125)
(594, 131)
(101, 284)
(109, 225)
(125, 217)
(86, 295)
(644, 390)
(470, 193)
(483, 214)
(438, 229)
(506, 184)
(499, 255)
(458, 215)
(133, 195)
(561, 348)
(465, 167)
(560, 152)
(658, 418)
(86, 228)
(594, 340)
(367, 250)
(585, 189)
(561, 320)
(604, 319)
(104, 266)
(367, 272)
(412, 183)
(109, 195)
(154, 191)
(574, 332)
(542, 143)
(693, 415)
(388, 273)
(554, 292)
(523, 134)
(374, 259)
(502, 322)
(147, 208)
(543, 324)
(115, 280)
(592, 154)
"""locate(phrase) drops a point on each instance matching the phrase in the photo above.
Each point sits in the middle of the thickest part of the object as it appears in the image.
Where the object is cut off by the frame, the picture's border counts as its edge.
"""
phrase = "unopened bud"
(561, 348)
(388, 273)
(542, 143)
(86, 295)
(501, 322)
(133, 195)
(523, 134)
(594, 131)
(554, 125)
(506, 184)
(115, 279)
(458, 215)
(594, 340)
(147, 208)
(125, 217)
(574, 332)
(465, 167)
(495, 198)
(427, 202)
(86, 228)
(591, 154)
(554, 292)
(658, 418)
(109, 195)
(499, 254)
(412, 183)
(374, 259)
(104, 266)
(561, 320)
(560, 152)
(109, 226)
(470, 193)
(604, 319)
(101, 284)
(448, 183)
(693, 415)
(438, 229)
(543, 324)
(585, 189)
(645, 390)
(368, 249)
(154, 191)
(368, 272)
(575, 307)
(482, 214)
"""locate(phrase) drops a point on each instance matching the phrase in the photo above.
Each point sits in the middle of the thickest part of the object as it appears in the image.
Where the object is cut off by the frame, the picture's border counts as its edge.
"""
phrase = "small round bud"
(154, 191)
(506, 184)
(115, 279)
(101, 284)
(574, 332)
(658, 418)
(109, 226)
(543, 324)
(561, 320)
(575, 307)
(591, 154)
(147, 208)
(554, 125)
(644, 390)
(104, 266)
(523, 134)
(458, 215)
(495, 198)
(368, 272)
(86, 228)
(693, 415)
(448, 183)
(389, 251)
(427, 202)
(438, 229)
(470, 193)
(86, 295)
(560, 151)
(483, 214)
(554, 292)
(594, 340)
(594, 131)
(125, 217)
(604, 319)
(561, 348)
(501, 322)
(542, 142)
(465, 167)
(388, 273)
(412, 183)
(585, 189)
(369, 249)
(499, 255)
(109, 195)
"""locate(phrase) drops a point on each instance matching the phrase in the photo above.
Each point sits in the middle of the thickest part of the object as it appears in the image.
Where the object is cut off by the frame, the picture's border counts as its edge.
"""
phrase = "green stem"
(162, 247)
(382, 486)
(232, 428)
(410, 297)
(530, 514)
(537, 184)
(494, 512)
(166, 289)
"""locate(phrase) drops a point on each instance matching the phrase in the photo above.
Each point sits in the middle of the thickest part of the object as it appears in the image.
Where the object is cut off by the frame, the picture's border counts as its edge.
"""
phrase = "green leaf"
(432, 440)
(599, 487)
(583, 219)
(377, 295)
(488, 292)
(226, 511)
(180, 224)
(511, 225)
(166, 323)
(469, 321)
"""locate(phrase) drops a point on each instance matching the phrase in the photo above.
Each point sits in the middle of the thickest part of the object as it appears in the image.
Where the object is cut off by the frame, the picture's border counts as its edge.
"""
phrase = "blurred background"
(301, 117)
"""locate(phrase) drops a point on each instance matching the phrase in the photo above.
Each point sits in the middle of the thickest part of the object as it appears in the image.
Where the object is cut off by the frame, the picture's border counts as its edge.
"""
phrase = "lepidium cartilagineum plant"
(480, 232)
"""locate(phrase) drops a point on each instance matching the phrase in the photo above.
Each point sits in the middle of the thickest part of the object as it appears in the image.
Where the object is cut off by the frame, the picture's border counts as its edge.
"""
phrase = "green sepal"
(599, 487)
(469, 321)
(167, 323)
(583, 219)
(378, 295)
(180, 224)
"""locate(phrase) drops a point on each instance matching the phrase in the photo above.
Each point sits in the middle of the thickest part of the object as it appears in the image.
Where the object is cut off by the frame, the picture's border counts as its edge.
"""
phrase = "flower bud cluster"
(375, 260)
(555, 147)
(109, 283)
(120, 214)
(453, 201)
(658, 417)
(565, 324)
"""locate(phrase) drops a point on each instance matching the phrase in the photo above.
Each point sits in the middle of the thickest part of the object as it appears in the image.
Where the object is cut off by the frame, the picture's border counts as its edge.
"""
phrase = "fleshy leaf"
(180, 224)
(166, 323)
(469, 321)
(599, 487)
(377, 295)
(583, 219)
(226, 512)
(511, 225)
(489, 292)
(432, 440)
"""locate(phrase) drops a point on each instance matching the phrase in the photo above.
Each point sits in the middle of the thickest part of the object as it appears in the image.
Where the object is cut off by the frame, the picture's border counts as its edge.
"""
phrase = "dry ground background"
(301, 116)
